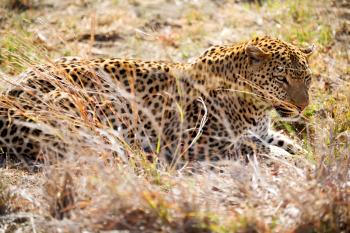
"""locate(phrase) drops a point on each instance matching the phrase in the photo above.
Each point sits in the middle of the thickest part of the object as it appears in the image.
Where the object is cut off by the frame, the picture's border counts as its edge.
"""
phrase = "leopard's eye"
(282, 79)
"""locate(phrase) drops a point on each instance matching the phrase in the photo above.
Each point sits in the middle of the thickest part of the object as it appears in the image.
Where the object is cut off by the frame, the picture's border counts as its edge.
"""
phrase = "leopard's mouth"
(287, 112)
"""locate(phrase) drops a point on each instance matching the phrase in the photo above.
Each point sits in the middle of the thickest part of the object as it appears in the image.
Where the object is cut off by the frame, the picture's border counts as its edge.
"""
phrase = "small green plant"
(18, 51)
(310, 110)
(325, 36)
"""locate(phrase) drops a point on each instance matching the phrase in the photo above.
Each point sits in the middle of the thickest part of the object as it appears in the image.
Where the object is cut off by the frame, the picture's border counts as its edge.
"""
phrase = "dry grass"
(92, 190)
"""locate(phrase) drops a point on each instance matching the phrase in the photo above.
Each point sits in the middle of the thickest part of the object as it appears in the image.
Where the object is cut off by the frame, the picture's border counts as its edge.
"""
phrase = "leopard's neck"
(226, 68)
(225, 62)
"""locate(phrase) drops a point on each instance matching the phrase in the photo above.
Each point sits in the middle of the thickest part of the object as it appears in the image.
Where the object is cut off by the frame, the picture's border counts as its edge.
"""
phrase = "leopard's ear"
(308, 50)
(256, 55)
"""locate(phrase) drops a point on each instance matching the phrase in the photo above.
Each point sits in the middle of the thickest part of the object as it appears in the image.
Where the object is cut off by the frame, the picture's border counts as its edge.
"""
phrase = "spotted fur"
(216, 107)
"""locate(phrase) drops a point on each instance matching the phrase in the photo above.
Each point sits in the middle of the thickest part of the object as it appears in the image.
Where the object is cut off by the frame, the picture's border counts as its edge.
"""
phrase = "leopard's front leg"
(274, 138)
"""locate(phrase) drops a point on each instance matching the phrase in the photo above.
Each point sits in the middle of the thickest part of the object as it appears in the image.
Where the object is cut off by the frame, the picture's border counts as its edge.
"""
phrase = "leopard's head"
(281, 72)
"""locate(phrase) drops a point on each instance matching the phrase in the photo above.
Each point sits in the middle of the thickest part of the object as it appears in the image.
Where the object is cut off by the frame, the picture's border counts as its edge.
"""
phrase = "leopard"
(216, 107)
